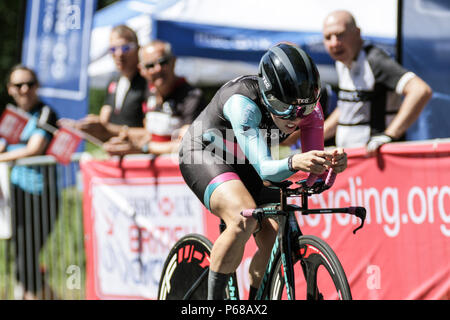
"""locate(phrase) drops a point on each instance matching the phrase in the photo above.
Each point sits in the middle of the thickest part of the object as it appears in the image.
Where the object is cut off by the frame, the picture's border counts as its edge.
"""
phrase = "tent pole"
(399, 44)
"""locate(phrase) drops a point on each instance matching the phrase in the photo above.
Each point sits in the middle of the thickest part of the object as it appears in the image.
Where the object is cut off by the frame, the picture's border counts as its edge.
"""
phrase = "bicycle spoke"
(196, 285)
(311, 283)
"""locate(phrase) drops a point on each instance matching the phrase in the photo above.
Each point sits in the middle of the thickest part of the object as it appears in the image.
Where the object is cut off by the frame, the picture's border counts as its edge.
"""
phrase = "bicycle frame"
(288, 233)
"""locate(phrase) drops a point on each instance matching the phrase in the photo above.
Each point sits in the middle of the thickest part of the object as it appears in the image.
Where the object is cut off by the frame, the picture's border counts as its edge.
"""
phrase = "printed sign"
(135, 225)
(64, 143)
(12, 123)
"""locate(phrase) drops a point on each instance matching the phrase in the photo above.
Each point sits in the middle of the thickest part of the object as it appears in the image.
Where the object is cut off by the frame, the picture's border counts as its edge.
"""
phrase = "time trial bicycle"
(294, 255)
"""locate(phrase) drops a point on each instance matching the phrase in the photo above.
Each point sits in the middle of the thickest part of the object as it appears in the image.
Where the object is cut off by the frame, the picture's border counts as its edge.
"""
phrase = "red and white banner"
(12, 123)
(134, 211)
(64, 143)
(403, 251)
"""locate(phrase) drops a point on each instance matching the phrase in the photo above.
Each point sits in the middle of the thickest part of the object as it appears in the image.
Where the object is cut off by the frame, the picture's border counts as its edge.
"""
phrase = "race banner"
(133, 215)
(12, 123)
(64, 143)
(56, 45)
(402, 252)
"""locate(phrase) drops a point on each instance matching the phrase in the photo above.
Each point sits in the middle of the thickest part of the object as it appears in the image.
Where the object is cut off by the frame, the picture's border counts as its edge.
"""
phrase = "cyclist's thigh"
(229, 199)
(220, 186)
(202, 177)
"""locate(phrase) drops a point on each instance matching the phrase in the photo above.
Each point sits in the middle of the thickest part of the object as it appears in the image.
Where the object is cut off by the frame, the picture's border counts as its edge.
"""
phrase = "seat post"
(283, 198)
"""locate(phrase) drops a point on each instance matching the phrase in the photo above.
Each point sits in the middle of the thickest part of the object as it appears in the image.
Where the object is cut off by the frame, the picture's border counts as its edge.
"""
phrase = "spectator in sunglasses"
(23, 87)
(171, 105)
(125, 92)
(30, 185)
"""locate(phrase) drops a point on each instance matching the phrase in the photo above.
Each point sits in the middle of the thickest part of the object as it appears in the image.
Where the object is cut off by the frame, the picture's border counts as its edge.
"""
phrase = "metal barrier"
(44, 258)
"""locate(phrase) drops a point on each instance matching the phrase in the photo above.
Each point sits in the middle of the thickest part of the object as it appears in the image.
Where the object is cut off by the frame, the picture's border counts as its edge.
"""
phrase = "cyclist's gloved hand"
(376, 141)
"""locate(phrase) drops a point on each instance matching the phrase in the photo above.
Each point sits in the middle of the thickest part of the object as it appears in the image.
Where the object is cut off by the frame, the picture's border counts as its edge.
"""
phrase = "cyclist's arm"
(311, 131)
(312, 138)
(245, 117)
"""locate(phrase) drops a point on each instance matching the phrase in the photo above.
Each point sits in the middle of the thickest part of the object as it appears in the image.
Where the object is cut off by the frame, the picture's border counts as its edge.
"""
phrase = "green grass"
(64, 251)
(63, 255)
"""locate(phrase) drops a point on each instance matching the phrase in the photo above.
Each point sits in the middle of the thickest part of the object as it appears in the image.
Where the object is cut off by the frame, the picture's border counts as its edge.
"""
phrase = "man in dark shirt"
(171, 105)
(125, 93)
(123, 105)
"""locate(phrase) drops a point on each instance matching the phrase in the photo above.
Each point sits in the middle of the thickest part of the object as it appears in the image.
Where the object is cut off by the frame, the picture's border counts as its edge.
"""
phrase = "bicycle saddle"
(278, 185)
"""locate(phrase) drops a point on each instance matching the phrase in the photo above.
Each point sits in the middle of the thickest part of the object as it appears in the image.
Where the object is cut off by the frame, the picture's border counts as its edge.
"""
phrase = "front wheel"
(185, 272)
(319, 274)
(187, 263)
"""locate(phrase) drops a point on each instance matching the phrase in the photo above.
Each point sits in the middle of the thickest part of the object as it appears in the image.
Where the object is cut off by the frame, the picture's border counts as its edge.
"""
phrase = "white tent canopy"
(217, 40)
(376, 18)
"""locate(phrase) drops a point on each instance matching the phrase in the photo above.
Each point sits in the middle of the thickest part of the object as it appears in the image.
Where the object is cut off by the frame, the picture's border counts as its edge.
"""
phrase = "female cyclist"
(225, 155)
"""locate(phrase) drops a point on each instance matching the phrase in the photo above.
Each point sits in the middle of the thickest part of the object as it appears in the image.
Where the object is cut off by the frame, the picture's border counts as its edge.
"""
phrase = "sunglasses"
(161, 61)
(125, 48)
(29, 84)
(288, 111)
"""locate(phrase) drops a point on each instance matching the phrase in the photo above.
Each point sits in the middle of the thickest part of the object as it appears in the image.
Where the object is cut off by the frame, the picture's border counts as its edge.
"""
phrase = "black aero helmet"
(289, 81)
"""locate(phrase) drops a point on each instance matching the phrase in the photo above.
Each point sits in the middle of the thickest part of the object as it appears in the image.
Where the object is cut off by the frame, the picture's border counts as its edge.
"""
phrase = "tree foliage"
(103, 3)
(12, 18)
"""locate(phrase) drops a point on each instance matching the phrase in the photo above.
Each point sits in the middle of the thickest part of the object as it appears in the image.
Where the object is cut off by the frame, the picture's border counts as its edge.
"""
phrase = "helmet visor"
(288, 111)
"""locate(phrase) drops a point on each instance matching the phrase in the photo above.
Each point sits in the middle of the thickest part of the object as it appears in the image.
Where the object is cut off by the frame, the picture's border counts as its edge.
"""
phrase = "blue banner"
(56, 45)
(426, 52)
(242, 44)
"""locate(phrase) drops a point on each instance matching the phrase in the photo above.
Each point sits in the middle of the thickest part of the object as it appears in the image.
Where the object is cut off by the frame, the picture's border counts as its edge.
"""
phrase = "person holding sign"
(30, 186)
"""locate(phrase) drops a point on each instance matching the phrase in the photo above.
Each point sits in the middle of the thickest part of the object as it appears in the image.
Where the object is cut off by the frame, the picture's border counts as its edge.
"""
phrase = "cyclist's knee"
(230, 212)
(242, 227)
